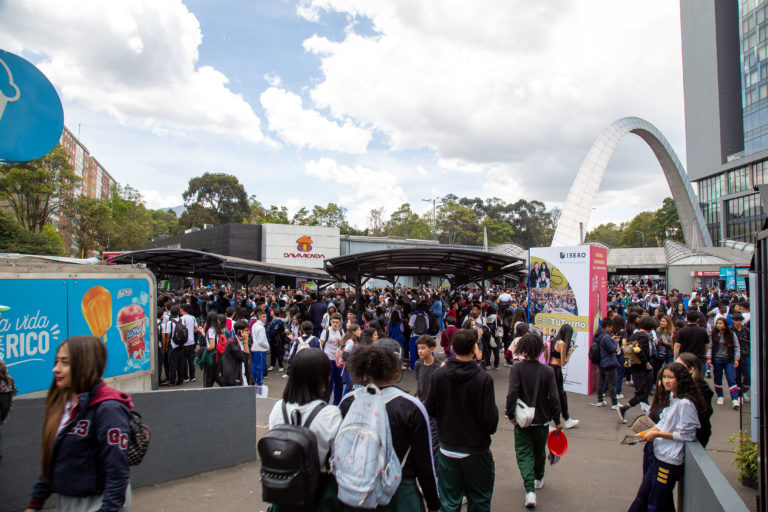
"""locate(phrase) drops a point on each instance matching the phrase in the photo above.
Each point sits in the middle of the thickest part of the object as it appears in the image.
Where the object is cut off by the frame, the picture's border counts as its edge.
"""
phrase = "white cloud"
(135, 59)
(525, 85)
(459, 165)
(155, 199)
(308, 128)
(361, 188)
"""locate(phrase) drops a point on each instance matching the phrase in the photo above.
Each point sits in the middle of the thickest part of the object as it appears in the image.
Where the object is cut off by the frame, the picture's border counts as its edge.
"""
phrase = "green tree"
(534, 226)
(376, 222)
(92, 224)
(272, 215)
(666, 222)
(457, 223)
(164, 223)
(499, 232)
(16, 238)
(405, 223)
(38, 190)
(609, 234)
(639, 232)
(215, 198)
(133, 224)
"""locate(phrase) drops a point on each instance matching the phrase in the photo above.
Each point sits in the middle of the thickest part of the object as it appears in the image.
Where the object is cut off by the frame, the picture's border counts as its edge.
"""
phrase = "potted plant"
(747, 453)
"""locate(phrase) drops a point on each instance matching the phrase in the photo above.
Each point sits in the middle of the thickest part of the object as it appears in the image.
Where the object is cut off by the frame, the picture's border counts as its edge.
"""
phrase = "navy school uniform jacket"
(409, 425)
(89, 453)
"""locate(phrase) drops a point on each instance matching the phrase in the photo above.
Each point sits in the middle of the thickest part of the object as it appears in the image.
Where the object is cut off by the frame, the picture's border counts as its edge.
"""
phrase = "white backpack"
(364, 461)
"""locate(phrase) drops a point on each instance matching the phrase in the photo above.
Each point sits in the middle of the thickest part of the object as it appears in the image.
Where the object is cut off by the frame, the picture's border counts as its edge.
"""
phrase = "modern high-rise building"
(725, 82)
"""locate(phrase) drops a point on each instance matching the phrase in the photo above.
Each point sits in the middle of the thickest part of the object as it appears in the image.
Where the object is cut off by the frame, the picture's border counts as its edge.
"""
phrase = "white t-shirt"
(331, 339)
(190, 323)
(211, 334)
(324, 426)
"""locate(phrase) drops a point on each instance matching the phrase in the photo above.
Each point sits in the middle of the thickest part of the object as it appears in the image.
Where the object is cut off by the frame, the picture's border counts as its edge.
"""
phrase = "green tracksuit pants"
(472, 476)
(530, 449)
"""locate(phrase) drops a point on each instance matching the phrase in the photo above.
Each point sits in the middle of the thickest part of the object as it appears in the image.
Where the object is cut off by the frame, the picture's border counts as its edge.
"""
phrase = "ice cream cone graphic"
(9, 91)
(97, 311)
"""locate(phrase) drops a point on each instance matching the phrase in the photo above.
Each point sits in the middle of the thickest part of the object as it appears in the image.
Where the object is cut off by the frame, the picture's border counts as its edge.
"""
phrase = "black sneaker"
(553, 459)
(623, 413)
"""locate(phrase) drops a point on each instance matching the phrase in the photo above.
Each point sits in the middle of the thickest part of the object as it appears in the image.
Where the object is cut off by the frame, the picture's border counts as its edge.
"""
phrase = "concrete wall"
(704, 487)
(193, 431)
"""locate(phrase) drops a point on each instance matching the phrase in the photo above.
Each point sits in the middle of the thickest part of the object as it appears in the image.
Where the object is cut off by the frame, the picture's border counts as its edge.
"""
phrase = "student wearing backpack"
(303, 404)
(534, 384)
(190, 324)
(419, 323)
(608, 364)
(379, 364)
(330, 340)
(85, 433)
(305, 341)
(212, 333)
(176, 335)
(463, 403)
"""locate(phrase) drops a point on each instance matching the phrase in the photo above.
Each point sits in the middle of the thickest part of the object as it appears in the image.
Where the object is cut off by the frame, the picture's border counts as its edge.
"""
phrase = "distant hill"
(178, 210)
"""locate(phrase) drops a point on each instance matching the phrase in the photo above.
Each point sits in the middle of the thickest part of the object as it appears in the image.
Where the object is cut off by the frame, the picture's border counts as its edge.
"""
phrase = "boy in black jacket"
(464, 406)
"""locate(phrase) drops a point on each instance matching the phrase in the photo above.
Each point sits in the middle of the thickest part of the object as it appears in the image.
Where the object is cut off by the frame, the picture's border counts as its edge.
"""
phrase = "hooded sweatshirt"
(89, 452)
(464, 405)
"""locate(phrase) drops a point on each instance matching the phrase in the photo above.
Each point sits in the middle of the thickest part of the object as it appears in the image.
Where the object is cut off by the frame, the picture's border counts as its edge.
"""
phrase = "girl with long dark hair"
(562, 348)
(677, 424)
(211, 331)
(693, 364)
(723, 355)
(85, 433)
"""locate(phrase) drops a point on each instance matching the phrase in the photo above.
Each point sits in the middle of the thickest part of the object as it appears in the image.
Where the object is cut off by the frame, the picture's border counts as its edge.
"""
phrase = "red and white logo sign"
(304, 246)
(707, 273)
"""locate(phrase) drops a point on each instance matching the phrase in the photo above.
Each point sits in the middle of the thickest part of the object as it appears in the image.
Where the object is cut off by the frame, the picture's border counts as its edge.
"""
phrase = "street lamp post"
(434, 216)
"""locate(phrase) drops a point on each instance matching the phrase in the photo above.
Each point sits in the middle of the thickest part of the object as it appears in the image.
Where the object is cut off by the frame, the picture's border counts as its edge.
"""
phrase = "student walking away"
(316, 312)
(190, 323)
(463, 402)
(676, 426)
(744, 371)
(7, 390)
(303, 405)
(608, 363)
(693, 338)
(638, 351)
(330, 341)
(349, 342)
(305, 341)
(177, 336)
(162, 350)
(562, 348)
(724, 355)
(692, 363)
(276, 336)
(395, 329)
(235, 356)
(619, 334)
(425, 369)
(259, 347)
(447, 334)
(419, 323)
(85, 433)
(377, 366)
(534, 384)
(492, 335)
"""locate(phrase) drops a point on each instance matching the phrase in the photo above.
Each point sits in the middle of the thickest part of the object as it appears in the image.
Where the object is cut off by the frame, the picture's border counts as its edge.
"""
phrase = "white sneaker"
(601, 403)
(530, 499)
(735, 404)
(570, 423)
(619, 396)
(270, 368)
(285, 375)
(538, 484)
(281, 369)
(614, 407)
(720, 401)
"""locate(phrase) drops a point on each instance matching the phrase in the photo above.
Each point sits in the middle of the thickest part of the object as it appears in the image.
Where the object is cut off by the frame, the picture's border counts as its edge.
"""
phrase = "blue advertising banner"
(31, 116)
(728, 274)
(32, 325)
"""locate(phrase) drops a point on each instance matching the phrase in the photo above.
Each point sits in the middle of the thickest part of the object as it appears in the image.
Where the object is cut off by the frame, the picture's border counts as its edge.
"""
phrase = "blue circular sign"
(31, 116)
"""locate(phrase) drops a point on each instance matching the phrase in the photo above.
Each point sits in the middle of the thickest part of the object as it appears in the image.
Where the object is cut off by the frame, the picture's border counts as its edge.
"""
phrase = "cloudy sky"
(362, 103)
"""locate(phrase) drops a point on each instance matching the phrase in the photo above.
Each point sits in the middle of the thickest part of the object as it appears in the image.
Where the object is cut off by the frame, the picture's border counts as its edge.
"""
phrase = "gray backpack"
(364, 461)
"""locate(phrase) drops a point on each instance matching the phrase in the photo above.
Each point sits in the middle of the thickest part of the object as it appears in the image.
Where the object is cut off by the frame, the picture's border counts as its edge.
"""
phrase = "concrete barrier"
(193, 431)
(703, 486)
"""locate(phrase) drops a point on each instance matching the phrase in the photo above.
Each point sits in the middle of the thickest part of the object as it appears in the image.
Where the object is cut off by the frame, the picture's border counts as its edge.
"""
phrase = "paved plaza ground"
(596, 474)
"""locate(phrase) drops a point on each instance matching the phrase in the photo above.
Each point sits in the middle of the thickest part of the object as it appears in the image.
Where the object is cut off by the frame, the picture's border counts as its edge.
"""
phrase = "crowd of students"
(338, 351)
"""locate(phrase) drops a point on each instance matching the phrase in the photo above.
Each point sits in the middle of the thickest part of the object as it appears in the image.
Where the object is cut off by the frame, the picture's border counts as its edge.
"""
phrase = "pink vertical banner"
(598, 290)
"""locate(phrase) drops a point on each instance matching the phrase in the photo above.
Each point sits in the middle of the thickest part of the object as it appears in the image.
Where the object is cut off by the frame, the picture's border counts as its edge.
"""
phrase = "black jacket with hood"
(522, 382)
(464, 404)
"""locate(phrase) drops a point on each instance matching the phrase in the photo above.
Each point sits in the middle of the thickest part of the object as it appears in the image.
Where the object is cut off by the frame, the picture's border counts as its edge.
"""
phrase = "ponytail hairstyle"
(87, 360)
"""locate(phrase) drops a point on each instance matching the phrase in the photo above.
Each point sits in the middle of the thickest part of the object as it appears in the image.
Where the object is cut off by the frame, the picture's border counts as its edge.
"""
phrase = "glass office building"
(725, 81)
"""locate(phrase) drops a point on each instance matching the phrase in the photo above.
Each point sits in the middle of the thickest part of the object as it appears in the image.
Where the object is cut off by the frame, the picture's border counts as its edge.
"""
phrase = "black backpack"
(138, 440)
(180, 334)
(594, 352)
(290, 470)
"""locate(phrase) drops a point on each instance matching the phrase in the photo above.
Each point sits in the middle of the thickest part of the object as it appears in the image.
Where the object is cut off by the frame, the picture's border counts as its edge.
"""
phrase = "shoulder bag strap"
(285, 414)
(314, 413)
(536, 389)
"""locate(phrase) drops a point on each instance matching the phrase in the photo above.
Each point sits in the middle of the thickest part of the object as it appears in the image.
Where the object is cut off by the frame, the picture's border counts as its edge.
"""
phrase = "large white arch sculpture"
(578, 206)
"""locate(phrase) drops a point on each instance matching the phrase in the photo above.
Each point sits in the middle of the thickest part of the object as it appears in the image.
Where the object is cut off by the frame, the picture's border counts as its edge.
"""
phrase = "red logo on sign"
(304, 244)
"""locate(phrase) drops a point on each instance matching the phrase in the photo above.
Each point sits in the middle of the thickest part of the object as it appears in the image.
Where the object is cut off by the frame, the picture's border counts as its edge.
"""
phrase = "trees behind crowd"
(646, 229)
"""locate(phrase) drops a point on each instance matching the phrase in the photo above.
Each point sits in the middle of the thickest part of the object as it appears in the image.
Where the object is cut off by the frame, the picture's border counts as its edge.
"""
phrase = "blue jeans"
(721, 366)
(258, 366)
(336, 385)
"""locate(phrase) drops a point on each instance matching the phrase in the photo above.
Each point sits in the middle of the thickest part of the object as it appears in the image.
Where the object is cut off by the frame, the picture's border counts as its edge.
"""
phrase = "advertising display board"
(299, 246)
(568, 286)
(36, 315)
